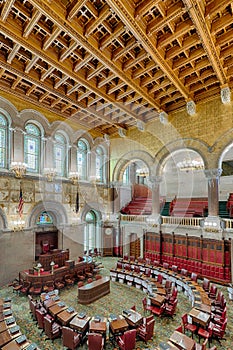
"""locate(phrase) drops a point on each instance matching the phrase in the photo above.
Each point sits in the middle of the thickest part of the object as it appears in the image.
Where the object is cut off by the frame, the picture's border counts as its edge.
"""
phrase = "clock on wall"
(108, 231)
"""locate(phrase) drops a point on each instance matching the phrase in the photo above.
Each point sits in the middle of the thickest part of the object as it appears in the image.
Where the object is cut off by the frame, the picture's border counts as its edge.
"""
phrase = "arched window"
(32, 148)
(126, 175)
(82, 159)
(90, 231)
(3, 141)
(60, 154)
(99, 164)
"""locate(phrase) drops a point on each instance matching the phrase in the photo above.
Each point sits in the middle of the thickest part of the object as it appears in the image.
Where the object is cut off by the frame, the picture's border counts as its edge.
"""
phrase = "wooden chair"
(146, 331)
(127, 341)
(189, 326)
(52, 329)
(95, 341)
(59, 283)
(70, 338)
(36, 288)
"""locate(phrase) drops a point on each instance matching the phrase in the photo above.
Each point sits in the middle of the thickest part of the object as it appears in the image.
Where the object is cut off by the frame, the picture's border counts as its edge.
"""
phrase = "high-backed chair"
(188, 326)
(213, 291)
(201, 346)
(170, 309)
(219, 331)
(32, 305)
(69, 280)
(146, 331)
(70, 338)
(40, 319)
(127, 340)
(52, 329)
(95, 341)
(194, 276)
(48, 286)
(146, 307)
(25, 286)
(206, 285)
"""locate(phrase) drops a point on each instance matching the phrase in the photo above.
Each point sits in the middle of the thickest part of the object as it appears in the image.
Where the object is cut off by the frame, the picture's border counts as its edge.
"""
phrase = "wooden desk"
(118, 326)
(50, 302)
(166, 346)
(203, 307)
(199, 317)
(98, 327)
(93, 291)
(55, 309)
(13, 345)
(3, 326)
(157, 299)
(80, 324)
(182, 341)
(65, 316)
(134, 318)
(6, 337)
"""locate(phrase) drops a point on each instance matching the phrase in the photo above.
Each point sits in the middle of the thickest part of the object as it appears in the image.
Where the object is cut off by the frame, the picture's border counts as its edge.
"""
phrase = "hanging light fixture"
(190, 164)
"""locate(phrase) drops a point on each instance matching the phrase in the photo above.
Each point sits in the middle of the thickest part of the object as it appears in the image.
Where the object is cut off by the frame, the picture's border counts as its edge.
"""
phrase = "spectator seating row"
(191, 207)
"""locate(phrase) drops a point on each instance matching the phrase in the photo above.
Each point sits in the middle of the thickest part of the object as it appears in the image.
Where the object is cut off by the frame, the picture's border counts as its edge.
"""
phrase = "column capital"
(213, 173)
(155, 179)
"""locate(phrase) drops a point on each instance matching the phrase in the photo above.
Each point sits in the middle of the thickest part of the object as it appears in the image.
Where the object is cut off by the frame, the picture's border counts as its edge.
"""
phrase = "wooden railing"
(228, 224)
(181, 221)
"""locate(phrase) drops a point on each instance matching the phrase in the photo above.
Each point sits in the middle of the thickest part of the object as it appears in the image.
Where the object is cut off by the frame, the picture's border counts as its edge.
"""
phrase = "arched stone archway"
(55, 209)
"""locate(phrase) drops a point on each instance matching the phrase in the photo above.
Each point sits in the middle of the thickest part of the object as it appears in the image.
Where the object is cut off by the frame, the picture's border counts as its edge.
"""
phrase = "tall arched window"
(3, 141)
(60, 154)
(90, 231)
(32, 148)
(99, 164)
(82, 158)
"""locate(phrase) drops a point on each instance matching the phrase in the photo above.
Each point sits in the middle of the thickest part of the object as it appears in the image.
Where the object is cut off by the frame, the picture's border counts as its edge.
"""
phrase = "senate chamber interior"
(116, 129)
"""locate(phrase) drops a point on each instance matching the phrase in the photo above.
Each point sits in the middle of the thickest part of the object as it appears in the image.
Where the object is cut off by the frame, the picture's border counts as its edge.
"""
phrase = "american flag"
(21, 201)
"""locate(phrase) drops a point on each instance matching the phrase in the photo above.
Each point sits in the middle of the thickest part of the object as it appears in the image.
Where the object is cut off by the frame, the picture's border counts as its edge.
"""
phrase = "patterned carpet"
(121, 297)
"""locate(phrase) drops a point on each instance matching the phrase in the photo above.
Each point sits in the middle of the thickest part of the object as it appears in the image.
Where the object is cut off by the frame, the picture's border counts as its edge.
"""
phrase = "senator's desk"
(94, 290)
(80, 324)
(133, 318)
(6, 337)
(118, 326)
(55, 309)
(13, 345)
(58, 273)
(157, 299)
(199, 317)
(65, 316)
(182, 341)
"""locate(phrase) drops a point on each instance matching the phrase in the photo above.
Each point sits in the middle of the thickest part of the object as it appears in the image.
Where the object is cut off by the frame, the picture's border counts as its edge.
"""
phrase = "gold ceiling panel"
(111, 64)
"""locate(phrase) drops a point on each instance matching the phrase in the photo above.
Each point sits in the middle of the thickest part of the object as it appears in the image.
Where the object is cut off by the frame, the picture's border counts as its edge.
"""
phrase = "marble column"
(155, 182)
(213, 176)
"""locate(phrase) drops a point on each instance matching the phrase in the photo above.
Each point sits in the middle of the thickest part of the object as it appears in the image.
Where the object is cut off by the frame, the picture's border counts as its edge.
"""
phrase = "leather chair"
(70, 338)
(184, 272)
(206, 285)
(188, 326)
(146, 307)
(69, 280)
(158, 311)
(32, 306)
(48, 286)
(201, 346)
(213, 291)
(206, 333)
(170, 298)
(52, 329)
(36, 288)
(59, 283)
(146, 331)
(194, 276)
(127, 341)
(170, 309)
(40, 319)
(219, 331)
(95, 341)
(25, 286)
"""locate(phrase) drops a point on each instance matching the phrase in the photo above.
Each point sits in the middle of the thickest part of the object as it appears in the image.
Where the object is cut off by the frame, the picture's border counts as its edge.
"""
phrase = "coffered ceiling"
(114, 64)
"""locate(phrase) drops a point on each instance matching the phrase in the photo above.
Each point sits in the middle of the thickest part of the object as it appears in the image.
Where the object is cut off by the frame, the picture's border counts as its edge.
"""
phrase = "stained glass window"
(60, 152)
(44, 219)
(99, 164)
(3, 141)
(82, 158)
(32, 148)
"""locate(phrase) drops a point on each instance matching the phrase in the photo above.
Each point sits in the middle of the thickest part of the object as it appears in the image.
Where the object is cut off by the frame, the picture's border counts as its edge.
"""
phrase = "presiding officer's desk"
(94, 290)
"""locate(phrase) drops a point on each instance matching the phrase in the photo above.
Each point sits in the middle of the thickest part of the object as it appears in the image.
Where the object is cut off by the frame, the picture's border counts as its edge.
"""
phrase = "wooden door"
(135, 245)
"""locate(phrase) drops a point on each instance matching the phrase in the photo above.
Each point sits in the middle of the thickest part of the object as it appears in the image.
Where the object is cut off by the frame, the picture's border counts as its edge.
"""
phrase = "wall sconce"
(18, 225)
(52, 266)
(74, 177)
(50, 173)
(19, 169)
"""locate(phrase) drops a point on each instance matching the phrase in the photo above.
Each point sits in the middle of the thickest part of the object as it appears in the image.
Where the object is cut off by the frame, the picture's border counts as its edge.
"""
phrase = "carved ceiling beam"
(68, 51)
(31, 63)
(30, 25)
(84, 95)
(221, 23)
(144, 7)
(44, 96)
(105, 80)
(137, 29)
(94, 23)
(153, 78)
(94, 101)
(55, 102)
(15, 83)
(65, 107)
(95, 71)
(6, 9)
(180, 30)
(132, 100)
(197, 16)
(30, 90)
(13, 52)
(60, 82)
(117, 87)
(188, 42)
(47, 73)
(142, 71)
(75, 32)
(124, 94)
(131, 44)
(173, 12)
(51, 38)
(73, 89)
(216, 6)
(109, 38)
(134, 61)
(74, 7)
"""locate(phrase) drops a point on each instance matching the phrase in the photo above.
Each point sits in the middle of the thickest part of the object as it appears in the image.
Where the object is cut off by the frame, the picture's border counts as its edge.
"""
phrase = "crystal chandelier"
(190, 164)
(19, 169)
